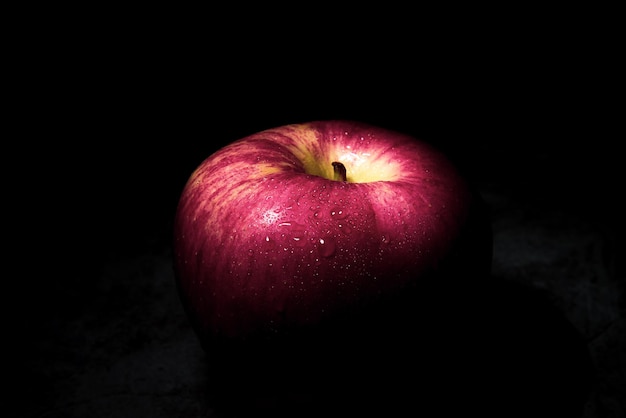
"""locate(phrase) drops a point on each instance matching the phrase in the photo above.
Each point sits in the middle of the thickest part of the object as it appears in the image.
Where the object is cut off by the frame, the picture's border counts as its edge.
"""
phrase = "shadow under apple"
(494, 348)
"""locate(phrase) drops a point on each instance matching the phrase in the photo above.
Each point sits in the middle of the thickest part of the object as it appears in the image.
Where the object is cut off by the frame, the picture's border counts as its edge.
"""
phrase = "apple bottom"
(374, 358)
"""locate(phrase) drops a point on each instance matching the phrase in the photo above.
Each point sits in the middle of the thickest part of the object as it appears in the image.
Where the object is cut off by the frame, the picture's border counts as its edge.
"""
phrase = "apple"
(306, 245)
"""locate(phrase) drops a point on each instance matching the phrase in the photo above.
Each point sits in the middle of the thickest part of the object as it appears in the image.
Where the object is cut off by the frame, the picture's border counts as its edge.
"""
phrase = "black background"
(115, 115)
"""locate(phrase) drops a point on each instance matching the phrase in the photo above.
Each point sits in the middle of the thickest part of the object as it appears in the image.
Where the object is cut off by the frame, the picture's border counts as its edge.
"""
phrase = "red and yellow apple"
(319, 226)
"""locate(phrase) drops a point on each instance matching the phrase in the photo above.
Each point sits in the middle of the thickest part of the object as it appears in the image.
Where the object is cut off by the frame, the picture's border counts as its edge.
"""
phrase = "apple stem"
(340, 171)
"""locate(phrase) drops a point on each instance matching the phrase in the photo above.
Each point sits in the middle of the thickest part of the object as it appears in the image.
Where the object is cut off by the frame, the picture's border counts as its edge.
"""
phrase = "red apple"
(328, 225)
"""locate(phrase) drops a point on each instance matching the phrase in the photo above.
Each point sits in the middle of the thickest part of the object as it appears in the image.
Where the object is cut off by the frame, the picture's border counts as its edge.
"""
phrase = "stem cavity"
(339, 171)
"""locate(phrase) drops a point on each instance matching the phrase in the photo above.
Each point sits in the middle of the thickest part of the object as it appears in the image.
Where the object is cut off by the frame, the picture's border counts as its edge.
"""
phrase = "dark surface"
(100, 331)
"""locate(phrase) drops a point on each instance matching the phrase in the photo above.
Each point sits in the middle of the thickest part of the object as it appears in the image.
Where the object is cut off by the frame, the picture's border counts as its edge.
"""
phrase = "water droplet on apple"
(385, 239)
(299, 239)
(338, 213)
(327, 246)
(294, 232)
(266, 245)
(345, 228)
(323, 196)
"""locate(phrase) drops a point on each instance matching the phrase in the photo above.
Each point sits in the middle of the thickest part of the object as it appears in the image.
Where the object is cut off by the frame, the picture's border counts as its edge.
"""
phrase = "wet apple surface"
(265, 237)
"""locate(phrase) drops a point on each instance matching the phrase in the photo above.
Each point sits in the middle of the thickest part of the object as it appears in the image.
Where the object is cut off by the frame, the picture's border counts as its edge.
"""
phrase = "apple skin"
(274, 258)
